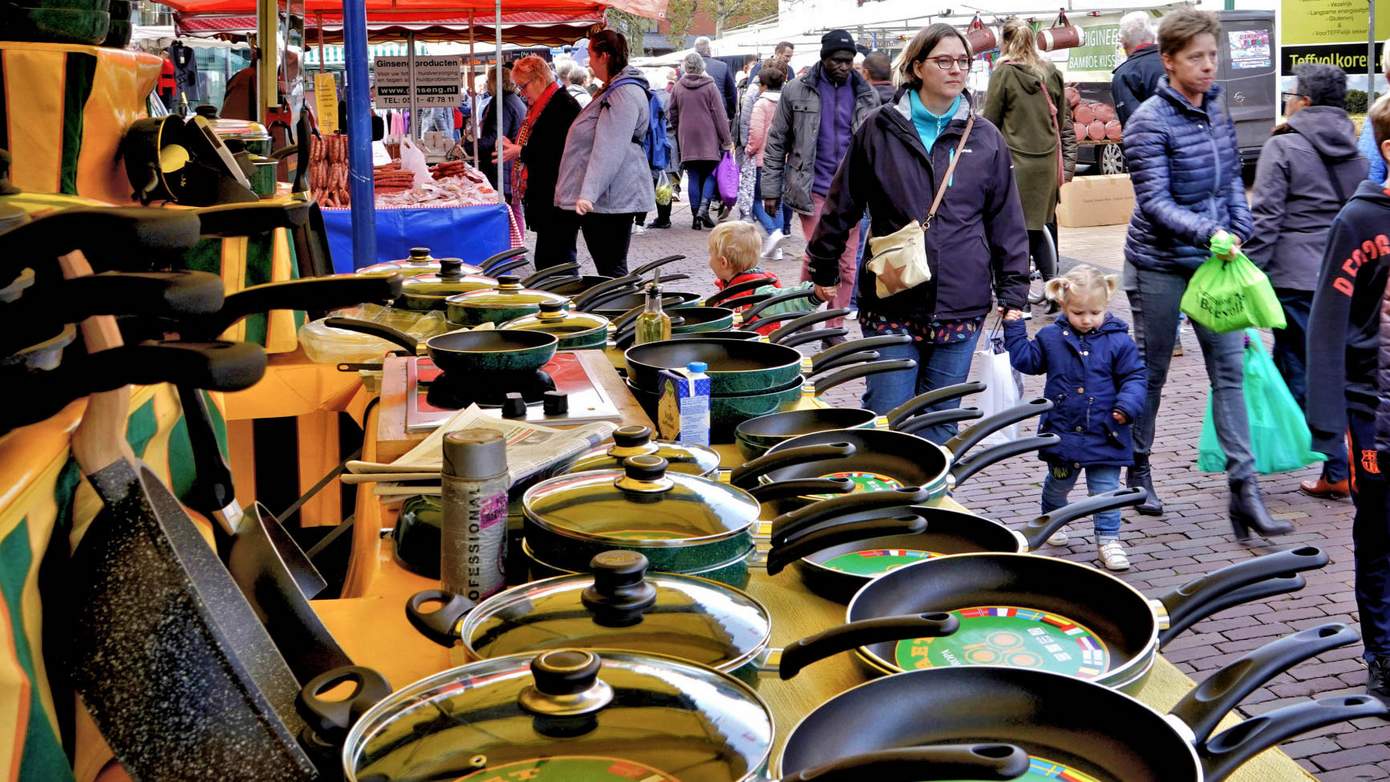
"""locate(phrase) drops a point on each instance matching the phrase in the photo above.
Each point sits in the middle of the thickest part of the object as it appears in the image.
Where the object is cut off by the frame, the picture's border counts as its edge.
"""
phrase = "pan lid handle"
(645, 474)
(566, 685)
(632, 441)
(620, 592)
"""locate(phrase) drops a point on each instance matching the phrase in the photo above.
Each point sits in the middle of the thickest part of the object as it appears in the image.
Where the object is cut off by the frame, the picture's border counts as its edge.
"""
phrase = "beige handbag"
(899, 260)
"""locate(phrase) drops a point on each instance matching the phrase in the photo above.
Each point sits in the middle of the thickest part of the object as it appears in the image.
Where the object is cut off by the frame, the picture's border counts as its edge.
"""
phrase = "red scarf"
(518, 168)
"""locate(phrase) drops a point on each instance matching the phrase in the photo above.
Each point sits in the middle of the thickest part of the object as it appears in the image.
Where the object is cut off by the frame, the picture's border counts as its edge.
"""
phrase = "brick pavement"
(1193, 537)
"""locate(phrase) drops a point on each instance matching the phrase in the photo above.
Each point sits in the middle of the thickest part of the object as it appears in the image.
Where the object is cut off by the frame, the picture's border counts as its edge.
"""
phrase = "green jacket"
(1016, 105)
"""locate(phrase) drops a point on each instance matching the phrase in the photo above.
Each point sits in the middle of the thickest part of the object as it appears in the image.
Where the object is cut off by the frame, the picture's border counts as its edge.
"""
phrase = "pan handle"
(1207, 703)
(1229, 749)
(114, 237)
(490, 264)
(317, 293)
(963, 469)
(948, 416)
(783, 490)
(923, 764)
(624, 320)
(551, 283)
(756, 323)
(834, 534)
(971, 437)
(922, 401)
(734, 290)
(505, 267)
(793, 340)
(330, 720)
(747, 474)
(793, 523)
(548, 272)
(805, 320)
(799, 654)
(752, 313)
(819, 360)
(658, 263)
(442, 624)
(1253, 593)
(594, 295)
(251, 219)
(1191, 598)
(862, 370)
(846, 359)
(1038, 530)
(387, 333)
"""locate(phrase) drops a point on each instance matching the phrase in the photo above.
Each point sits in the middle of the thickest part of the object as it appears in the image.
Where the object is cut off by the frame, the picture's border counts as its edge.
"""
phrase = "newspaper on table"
(531, 448)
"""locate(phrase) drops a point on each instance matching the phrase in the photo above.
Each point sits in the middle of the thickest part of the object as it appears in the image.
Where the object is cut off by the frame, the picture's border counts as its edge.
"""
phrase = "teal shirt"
(928, 124)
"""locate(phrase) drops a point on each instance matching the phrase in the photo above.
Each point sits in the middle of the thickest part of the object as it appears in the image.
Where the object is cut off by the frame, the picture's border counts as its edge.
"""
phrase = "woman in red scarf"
(536, 159)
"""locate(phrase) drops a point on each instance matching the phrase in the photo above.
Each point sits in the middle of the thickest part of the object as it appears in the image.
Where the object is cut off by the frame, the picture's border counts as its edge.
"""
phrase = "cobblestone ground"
(1192, 538)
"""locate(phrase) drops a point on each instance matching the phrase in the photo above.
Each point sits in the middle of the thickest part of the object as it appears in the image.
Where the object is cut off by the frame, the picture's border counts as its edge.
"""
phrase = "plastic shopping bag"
(1279, 434)
(727, 177)
(413, 160)
(1003, 387)
(663, 189)
(1228, 295)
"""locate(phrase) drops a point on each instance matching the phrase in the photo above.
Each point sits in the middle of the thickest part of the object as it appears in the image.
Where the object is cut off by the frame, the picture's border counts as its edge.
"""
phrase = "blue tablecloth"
(471, 233)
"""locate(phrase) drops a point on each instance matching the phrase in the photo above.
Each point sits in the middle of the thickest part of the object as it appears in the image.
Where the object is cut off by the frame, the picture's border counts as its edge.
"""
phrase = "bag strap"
(950, 170)
(1056, 129)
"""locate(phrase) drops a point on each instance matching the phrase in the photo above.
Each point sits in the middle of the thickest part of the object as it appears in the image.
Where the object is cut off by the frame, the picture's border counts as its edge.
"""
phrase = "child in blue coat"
(1095, 379)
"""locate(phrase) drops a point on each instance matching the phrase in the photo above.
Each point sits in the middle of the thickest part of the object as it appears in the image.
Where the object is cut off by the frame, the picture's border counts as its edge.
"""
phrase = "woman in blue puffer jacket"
(1183, 159)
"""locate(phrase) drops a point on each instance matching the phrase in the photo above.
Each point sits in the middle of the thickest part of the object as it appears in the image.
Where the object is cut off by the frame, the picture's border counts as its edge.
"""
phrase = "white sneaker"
(638, 230)
(776, 255)
(1060, 537)
(772, 245)
(1027, 313)
(1112, 554)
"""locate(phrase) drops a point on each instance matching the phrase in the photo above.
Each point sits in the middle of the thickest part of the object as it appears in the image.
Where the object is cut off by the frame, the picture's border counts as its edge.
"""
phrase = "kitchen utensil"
(465, 352)
(421, 262)
(508, 301)
(429, 290)
(631, 441)
(575, 330)
(736, 367)
(105, 235)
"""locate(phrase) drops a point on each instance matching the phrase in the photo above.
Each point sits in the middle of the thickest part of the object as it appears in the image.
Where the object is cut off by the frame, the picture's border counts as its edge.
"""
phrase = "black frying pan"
(1051, 614)
(737, 367)
(1065, 723)
(485, 351)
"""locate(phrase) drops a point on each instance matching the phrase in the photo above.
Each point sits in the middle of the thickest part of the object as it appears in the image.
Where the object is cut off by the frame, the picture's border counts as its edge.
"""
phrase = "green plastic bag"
(1279, 434)
(1229, 295)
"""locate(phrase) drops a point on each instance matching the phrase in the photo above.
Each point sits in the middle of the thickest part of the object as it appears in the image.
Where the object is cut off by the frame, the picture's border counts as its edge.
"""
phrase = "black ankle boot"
(1378, 679)
(663, 216)
(1140, 477)
(1248, 512)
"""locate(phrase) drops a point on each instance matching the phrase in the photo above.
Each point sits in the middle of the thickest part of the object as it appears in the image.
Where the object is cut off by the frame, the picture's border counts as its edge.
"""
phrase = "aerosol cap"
(475, 454)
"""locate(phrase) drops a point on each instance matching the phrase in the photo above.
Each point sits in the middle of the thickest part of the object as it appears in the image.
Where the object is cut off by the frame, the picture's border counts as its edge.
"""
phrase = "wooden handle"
(100, 439)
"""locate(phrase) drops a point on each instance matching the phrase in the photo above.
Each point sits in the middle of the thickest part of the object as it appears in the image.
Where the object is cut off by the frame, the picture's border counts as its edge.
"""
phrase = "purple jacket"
(836, 127)
(978, 243)
(697, 114)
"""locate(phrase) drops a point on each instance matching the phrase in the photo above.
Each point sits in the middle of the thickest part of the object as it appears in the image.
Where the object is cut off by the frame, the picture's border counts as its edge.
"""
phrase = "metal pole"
(414, 129)
(268, 44)
(322, 64)
(359, 117)
(497, 100)
(474, 119)
(1371, 55)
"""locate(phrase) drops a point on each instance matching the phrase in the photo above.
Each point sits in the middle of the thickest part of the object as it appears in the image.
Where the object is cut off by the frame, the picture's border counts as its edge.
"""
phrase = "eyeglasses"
(1288, 96)
(945, 63)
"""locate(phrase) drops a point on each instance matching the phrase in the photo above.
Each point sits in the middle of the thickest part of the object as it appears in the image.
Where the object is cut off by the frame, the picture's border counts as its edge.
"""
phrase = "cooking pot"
(508, 301)
(428, 290)
(576, 330)
(421, 262)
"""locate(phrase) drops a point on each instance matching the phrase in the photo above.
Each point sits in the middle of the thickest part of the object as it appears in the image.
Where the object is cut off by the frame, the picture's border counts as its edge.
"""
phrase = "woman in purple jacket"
(977, 244)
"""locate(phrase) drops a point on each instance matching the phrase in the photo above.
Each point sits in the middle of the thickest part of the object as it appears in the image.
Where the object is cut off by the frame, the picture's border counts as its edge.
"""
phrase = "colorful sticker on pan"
(863, 482)
(1042, 768)
(576, 768)
(1012, 636)
(875, 561)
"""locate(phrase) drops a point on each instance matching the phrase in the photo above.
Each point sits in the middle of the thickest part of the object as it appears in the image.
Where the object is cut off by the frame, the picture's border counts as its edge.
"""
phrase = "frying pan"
(736, 367)
(1075, 729)
(1015, 607)
(838, 572)
(694, 320)
(104, 235)
(493, 350)
(754, 437)
(572, 285)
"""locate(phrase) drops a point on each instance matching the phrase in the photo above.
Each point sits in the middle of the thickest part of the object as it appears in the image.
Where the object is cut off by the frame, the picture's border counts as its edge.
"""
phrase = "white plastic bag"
(1003, 387)
(413, 160)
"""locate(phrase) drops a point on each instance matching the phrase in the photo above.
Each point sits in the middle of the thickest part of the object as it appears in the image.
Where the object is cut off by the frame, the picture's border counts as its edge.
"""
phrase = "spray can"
(473, 537)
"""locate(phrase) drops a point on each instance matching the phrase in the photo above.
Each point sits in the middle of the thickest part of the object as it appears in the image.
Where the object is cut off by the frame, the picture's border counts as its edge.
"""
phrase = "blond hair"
(532, 68)
(1082, 282)
(737, 242)
(1019, 45)
(1379, 117)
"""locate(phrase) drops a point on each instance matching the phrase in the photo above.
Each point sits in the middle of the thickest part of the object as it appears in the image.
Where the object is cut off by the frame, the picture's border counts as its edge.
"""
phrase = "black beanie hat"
(835, 41)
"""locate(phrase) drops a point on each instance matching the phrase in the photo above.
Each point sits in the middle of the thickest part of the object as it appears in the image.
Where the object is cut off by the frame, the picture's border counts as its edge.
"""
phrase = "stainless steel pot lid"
(629, 441)
(623, 608)
(554, 319)
(643, 503)
(565, 716)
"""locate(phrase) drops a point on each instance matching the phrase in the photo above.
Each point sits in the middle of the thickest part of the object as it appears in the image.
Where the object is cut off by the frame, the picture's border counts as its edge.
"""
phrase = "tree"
(680, 15)
(632, 27)
(725, 11)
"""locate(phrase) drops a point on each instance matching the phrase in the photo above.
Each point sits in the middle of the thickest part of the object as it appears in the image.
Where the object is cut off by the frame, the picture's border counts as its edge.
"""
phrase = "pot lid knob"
(620, 592)
(509, 282)
(450, 268)
(632, 436)
(419, 253)
(644, 473)
(566, 684)
(553, 308)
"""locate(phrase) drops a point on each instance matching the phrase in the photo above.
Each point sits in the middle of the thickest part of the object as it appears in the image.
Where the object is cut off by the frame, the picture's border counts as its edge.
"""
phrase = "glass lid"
(508, 293)
(565, 716)
(553, 319)
(419, 262)
(631, 441)
(442, 285)
(621, 607)
(641, 504)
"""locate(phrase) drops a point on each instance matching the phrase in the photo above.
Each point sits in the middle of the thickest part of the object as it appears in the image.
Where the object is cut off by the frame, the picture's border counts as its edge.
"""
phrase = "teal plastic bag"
(1279, 434)
(1229, 295)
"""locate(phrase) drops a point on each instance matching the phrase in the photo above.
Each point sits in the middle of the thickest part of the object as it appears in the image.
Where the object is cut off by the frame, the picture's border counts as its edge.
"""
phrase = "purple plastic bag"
(727, 177)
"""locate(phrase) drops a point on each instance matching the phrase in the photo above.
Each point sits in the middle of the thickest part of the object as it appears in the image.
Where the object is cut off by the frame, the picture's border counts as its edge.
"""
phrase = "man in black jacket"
(1348, 340)
(1135, 79)
(723, 77)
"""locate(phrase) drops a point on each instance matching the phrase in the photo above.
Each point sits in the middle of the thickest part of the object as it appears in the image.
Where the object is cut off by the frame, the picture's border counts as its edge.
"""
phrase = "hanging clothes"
(185, 70)
(167, 89)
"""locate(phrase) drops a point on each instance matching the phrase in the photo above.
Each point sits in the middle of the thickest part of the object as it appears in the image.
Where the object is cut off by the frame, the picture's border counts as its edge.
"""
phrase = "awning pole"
(359, 117)
(475, 119)
(322, 64)
(499, 105)
(410, 66)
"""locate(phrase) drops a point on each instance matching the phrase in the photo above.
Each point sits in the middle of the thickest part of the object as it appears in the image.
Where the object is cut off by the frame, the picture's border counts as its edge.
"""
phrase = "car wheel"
(1112, 159)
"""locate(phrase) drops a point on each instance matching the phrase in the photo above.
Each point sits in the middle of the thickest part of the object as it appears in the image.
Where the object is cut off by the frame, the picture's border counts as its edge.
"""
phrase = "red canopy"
(523, 28)
(652, 9)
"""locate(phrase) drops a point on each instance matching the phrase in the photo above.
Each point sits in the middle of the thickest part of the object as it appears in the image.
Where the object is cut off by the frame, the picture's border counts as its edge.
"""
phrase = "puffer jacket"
(1185, 166)
(604, 162)
(1088, 377)
(789, 157)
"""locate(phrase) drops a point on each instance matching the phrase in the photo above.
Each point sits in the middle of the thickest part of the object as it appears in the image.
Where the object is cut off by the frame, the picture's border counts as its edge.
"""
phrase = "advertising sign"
(1332, 32)
(326, 102)
(437, 81)
(1101, 51)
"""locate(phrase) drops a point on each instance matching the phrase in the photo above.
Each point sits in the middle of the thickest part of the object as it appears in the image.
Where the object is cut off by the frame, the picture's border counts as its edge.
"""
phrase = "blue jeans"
(937, 366)
(1100, 478)
(1290, 347)
(701, 182)
(767, 221)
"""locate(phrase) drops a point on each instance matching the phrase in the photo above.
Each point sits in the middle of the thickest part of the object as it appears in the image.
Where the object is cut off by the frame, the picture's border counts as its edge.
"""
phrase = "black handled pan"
(502, 262)
(113, 239)
(558, 270)
(650, 266)
(1027, 611)
(751, 315)
(718, 299)
(1074, 729)
(464, 352)
(322, 293)
(737, 367)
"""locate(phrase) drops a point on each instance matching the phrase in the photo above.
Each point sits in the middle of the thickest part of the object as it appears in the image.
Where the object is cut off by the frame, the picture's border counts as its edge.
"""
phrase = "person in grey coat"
(1308, 169)
(604, 178)
(702, 128)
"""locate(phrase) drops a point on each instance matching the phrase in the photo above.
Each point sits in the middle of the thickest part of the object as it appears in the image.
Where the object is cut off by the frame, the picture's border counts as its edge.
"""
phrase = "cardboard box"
(1096, 200)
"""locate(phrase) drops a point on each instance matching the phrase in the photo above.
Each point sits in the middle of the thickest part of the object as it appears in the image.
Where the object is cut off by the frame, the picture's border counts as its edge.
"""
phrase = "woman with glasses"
(535, 159)
(1184, 161)
(513, 110)
(977, 243)
(1027, 102)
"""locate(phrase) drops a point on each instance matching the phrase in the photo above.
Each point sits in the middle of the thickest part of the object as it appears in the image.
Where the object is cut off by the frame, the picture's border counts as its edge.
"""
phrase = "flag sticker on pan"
(573, 768)
(875, 561)
(863, 482)
(1012, 636)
